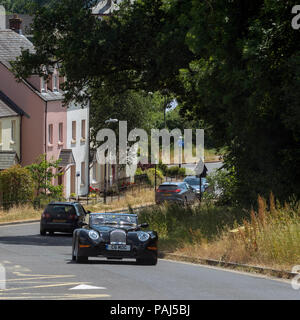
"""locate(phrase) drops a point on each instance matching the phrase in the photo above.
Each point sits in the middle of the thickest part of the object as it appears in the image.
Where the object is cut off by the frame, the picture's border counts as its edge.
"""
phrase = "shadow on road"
(105, 262)
(38, 240)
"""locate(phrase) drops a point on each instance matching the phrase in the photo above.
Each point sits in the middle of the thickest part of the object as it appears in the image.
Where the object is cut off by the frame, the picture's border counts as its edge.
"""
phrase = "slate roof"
(8, 159)
(106, 7)
(66, 156)
(8, 108)
(11, 45)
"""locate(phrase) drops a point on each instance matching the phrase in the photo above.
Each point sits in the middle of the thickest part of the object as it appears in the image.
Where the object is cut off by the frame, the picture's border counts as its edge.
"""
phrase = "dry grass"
(132, 199)
(27, 212)
(269, 237)
(20, 213)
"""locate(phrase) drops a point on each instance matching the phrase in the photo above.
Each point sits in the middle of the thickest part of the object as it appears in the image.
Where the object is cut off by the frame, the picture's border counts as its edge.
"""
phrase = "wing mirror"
(82, 224)
(144, 225)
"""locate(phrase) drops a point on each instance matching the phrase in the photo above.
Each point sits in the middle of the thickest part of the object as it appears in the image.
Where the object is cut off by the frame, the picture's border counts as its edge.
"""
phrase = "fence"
(112, 191)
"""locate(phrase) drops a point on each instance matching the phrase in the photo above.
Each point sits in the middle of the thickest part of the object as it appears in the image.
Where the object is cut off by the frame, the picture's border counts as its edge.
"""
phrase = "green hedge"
(16, 186)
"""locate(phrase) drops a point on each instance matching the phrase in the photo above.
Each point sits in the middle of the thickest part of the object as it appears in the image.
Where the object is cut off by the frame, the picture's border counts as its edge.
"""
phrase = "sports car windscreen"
(112, 219)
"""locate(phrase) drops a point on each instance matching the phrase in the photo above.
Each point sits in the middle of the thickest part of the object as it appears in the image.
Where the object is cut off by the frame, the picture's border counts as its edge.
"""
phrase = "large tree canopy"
(233, 63)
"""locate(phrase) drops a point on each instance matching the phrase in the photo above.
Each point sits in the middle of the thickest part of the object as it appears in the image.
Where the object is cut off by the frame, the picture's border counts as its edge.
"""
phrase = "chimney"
(15, 24)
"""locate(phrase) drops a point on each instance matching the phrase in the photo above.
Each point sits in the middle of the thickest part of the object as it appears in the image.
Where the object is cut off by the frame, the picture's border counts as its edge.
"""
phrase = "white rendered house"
(77, 175)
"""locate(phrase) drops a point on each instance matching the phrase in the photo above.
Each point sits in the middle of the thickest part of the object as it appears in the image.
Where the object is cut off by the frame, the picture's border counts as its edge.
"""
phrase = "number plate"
(118, 247)
(167, 194)
(59, 221)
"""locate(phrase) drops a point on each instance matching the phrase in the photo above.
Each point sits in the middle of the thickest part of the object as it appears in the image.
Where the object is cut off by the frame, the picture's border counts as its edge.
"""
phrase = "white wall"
(79, 148)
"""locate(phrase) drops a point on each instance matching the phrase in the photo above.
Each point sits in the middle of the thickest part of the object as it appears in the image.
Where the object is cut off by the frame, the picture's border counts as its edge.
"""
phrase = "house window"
(82, 129)
(0, 132)
(60, 132)
(73, 131)
(83, 173)
(13, 130)
(50, 134)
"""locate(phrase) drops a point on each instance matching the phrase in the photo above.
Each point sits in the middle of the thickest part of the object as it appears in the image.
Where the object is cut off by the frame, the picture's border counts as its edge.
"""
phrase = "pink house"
(44, 131)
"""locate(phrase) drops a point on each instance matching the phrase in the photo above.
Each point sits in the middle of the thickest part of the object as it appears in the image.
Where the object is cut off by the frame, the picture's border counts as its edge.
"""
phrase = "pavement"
(40, 267)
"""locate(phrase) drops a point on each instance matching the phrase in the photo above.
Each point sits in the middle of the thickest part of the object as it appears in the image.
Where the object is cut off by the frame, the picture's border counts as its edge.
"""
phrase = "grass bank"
(20, 213)
(269, 237)
(132, 199)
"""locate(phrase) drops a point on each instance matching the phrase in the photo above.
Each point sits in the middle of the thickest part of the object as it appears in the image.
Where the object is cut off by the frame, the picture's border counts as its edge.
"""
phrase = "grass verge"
(269, 237)
(20, 213)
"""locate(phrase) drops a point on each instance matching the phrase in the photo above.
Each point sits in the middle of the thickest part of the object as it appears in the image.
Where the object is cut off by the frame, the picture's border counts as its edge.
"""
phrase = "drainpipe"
(20, 139)
(88, 138)
(46, 110)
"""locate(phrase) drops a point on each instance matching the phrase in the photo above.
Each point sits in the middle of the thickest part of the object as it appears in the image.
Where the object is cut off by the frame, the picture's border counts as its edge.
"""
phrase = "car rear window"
(62, 209)
(168, 187)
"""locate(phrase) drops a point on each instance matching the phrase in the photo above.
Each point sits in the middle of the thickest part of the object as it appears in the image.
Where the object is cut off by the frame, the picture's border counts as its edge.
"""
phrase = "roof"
(8, 159)
(8, 108)
(103, 7)
(171, 183)
(106, 7)
(63, 203)
(67, 158)
(11, 45)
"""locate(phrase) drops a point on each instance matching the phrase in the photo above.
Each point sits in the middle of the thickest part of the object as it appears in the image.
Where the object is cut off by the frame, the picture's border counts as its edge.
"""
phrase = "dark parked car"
(115, 236)
(194, 182)
(179, 192)
(62, 217)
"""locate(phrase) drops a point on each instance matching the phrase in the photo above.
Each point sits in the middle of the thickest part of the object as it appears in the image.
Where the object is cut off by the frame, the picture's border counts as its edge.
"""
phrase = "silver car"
(179, 192)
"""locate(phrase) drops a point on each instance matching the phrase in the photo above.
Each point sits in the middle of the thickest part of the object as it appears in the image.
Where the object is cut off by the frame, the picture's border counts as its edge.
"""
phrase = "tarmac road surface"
(40, 267)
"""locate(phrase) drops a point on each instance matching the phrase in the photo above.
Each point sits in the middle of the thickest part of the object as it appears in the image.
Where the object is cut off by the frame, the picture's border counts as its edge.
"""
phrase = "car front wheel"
(76, 256)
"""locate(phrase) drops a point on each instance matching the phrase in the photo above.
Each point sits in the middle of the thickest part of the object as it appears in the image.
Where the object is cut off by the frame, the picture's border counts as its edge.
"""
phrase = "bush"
(222, 186)
(16, 186)
(176, 171)
(151, 176)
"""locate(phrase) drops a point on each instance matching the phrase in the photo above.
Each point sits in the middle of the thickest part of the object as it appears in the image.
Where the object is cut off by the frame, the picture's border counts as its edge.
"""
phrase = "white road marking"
(87, 287)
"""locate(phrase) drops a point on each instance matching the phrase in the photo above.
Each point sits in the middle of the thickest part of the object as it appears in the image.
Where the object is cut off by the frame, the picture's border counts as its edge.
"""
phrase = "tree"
(233, 64)
(21, 6)
(43, 173)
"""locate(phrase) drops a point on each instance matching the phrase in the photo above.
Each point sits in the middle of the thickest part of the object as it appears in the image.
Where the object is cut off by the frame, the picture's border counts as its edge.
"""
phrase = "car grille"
(118, 236)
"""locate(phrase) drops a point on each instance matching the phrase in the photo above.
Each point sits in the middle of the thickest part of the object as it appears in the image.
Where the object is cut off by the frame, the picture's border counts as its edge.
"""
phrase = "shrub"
(176, 171)
(16, 186)
(151, 176)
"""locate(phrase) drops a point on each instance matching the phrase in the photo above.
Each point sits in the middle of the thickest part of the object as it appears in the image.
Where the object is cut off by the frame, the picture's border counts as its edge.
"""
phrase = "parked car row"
(183, 192)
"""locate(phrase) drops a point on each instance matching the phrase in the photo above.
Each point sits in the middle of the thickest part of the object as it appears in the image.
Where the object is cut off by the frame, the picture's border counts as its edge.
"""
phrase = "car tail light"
(168, 191)
(46, 215)
(73, 216)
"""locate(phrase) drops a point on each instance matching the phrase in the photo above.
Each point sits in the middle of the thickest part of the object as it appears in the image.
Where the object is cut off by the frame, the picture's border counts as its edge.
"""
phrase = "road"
(39, 267)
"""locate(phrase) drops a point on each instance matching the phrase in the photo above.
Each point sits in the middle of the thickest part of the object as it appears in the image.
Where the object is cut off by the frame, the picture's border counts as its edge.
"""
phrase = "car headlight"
(143, 236)
(93, 235)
